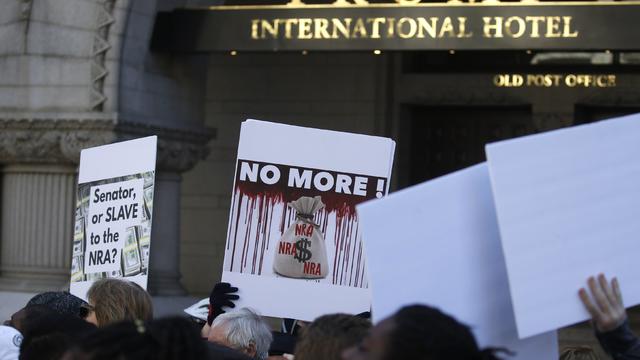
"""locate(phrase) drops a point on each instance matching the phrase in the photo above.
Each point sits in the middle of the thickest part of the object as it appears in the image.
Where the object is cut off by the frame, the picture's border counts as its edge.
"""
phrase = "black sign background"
(612, 26)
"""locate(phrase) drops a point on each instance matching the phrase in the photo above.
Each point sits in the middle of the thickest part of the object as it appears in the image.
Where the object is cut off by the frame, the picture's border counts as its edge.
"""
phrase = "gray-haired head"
(243, 330)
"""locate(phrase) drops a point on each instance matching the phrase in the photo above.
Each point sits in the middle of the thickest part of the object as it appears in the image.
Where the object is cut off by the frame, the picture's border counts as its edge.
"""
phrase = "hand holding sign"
(606, 309)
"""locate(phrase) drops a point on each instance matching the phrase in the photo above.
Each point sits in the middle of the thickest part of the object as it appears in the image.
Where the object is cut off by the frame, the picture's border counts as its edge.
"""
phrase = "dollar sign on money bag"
(302, 253)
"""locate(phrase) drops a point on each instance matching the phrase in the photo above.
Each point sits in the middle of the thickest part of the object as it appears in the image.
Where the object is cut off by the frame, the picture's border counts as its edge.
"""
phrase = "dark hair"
(164, 339)
(47, 333)
(423, 332)
(327, 336)
(61, 302)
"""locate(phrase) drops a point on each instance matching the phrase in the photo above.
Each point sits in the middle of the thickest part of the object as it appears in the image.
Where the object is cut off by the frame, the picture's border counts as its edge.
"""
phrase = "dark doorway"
(584, 114)
(444, 139)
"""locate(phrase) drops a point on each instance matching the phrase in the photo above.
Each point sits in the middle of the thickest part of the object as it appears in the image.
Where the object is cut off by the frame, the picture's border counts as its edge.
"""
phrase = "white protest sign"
(293, 242)
(437, 243)
(568, 205)
(113, 213)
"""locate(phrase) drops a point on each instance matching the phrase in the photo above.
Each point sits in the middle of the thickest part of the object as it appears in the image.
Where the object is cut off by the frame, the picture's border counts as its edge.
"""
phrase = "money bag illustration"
(301, 252)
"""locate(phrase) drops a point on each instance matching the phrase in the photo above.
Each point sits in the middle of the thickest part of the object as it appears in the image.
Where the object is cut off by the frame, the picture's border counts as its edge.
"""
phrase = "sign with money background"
(114, 207)
(293, 229)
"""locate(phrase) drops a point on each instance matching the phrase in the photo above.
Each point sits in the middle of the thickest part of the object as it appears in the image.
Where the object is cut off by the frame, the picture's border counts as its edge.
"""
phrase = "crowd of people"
(117, 323)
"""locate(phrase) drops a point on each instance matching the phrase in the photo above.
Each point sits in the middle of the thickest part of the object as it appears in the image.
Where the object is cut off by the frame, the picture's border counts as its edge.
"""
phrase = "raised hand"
(221, 296)
(604, 303)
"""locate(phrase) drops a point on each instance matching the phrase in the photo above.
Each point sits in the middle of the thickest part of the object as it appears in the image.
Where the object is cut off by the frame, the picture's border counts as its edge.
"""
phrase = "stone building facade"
(80, 73)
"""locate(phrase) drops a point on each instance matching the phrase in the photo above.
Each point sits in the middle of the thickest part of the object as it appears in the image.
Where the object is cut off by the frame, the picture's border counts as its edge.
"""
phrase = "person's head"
(48, 333)
(578, 353)
(327, 336)
(113, 300)
(61, 302)
(418, 332)
(243, 330)
(171, 338)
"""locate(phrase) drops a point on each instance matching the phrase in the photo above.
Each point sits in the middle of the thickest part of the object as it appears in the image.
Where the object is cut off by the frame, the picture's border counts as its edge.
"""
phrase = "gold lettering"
(343, 28)
(508, 80)
(535, 25)
(570, 80)
(553, 27)
(375, 26)
(391, 27)
(496, 27)
(304, 29)
(447, 27)
(567, 28)
(554, 80)
(266, 26)
(517, 80)
(359, 30)
(413, 28)
(254, 29)
(462, 28)
(287, 27)
(430, 28)
(320, 26)
(522, 26)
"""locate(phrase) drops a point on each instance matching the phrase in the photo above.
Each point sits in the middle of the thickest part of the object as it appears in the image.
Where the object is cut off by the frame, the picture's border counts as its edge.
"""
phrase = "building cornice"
(58, 139)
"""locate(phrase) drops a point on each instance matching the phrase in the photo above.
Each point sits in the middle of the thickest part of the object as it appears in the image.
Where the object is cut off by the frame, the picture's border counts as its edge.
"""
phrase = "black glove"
(221, 295)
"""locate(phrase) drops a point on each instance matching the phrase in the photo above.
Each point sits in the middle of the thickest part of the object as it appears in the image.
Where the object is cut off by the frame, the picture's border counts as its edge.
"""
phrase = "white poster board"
(437, 243)
(114, 204)
(568, 205)
(279, 164)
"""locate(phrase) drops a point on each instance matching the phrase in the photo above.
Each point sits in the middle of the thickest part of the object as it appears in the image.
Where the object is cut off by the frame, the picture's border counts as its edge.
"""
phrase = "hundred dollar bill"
(130, 253)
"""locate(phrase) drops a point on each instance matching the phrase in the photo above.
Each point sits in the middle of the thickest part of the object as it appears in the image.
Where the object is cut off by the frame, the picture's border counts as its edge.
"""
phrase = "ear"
(251, 350)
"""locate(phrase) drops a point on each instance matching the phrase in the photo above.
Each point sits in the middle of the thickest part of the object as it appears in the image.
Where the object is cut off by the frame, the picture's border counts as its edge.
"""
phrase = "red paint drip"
(254, 204)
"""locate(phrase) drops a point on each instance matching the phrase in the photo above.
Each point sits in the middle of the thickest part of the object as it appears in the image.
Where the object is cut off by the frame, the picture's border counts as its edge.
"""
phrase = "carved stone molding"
(99, 54)
(50, 140)
(59, 139)
(178, 149)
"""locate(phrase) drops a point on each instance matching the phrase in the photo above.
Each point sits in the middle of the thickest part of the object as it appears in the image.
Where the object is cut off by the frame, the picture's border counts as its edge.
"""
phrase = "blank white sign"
(437, 243)
(568, 205)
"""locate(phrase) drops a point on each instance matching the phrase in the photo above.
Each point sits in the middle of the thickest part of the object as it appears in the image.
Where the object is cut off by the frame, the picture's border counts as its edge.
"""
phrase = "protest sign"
(293, 242)
(437, 243)
(113, 213)
(568, 204)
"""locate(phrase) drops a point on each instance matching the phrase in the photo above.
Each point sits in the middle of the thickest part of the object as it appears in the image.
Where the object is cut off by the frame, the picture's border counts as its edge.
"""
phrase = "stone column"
(39, 161)
(37, 216)
(176, 154)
